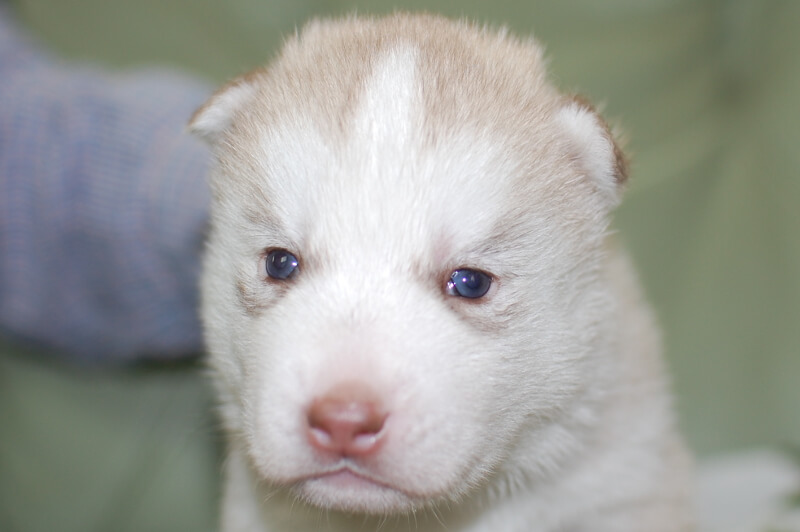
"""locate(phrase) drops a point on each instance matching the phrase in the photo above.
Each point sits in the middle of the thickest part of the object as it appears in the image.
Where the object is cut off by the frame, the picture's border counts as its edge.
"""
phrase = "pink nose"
(347, 421)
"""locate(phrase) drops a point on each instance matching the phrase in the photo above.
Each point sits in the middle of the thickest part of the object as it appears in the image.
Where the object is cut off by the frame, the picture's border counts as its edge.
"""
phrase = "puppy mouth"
(348, 488)
(349, 478)
(347, 475)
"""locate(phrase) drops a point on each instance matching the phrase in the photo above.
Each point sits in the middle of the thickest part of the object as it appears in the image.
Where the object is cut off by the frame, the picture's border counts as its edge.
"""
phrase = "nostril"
(348, 425)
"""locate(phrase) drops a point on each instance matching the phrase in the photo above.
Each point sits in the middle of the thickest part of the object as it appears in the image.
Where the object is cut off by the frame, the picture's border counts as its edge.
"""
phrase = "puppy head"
(403, 280)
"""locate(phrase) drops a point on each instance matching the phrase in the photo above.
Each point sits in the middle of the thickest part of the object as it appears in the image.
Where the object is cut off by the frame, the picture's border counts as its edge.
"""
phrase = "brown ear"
(595, 147)
(216, 115)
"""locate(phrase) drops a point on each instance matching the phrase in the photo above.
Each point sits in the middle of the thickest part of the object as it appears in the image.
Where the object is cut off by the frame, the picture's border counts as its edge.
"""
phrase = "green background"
(707, 93)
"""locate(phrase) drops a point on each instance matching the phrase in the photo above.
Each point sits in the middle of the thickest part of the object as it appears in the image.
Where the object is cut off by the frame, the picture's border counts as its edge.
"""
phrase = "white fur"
(540, 407)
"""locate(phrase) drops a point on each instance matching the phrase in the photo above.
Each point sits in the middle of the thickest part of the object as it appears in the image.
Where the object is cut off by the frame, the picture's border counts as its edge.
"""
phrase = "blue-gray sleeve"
(103, 202)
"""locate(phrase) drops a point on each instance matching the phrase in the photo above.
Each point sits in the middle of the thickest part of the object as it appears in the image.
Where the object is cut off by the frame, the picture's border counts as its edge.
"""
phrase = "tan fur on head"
(443, 49)
(455, 341)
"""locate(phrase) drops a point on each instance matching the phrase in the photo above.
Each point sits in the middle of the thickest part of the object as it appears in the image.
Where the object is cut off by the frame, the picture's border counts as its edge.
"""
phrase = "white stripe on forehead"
(449, 186)
(383, 118)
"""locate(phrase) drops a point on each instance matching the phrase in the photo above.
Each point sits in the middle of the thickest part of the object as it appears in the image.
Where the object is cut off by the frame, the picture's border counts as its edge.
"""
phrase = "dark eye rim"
(451, 291)
(265, 268)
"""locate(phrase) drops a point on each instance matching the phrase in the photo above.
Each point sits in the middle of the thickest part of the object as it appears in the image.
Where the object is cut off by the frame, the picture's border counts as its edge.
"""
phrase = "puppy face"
(402, 284)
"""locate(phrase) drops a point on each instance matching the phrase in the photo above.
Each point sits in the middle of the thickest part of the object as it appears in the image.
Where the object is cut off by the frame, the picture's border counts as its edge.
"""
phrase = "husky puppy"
(415, 315)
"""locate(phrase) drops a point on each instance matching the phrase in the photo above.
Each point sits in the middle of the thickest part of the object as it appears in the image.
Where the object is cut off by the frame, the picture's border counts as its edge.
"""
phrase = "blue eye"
(281, 264)
(471, 284)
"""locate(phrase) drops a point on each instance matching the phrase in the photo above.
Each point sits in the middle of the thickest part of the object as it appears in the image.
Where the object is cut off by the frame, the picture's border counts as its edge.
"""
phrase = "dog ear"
(595, 148)
(216, 115)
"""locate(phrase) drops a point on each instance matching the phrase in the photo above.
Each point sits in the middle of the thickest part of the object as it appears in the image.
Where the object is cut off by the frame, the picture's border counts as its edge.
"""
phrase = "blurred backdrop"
(707, 93)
